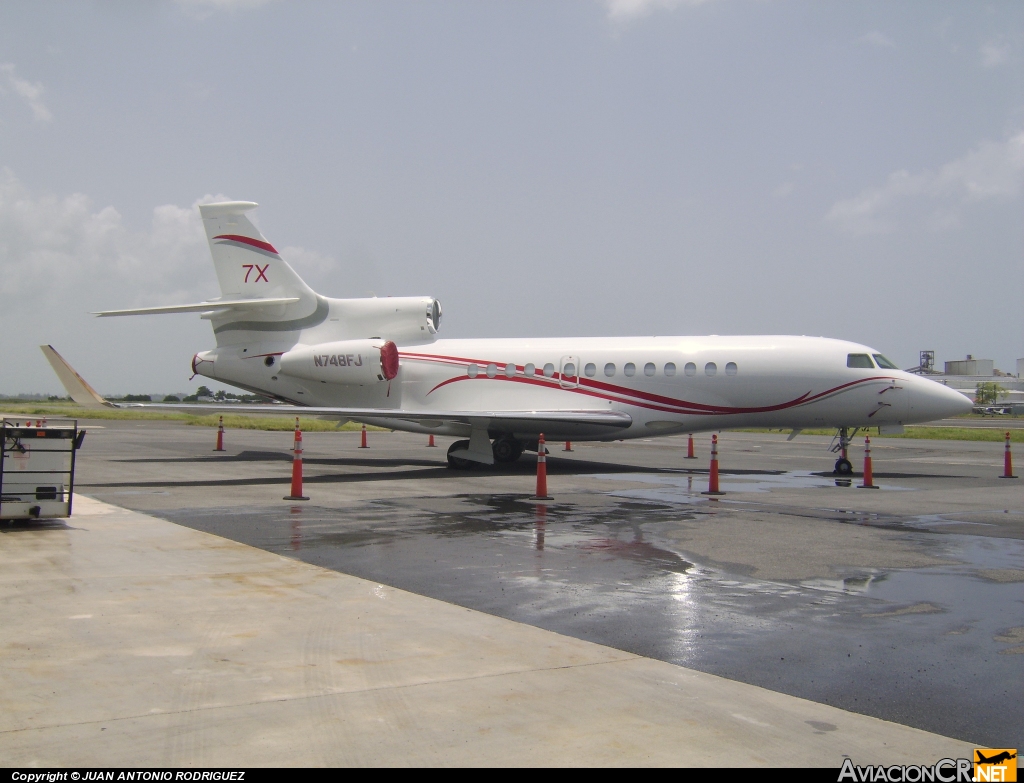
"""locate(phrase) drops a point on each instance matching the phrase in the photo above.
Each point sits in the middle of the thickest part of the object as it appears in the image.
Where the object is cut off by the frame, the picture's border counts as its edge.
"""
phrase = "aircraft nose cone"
(932, 401)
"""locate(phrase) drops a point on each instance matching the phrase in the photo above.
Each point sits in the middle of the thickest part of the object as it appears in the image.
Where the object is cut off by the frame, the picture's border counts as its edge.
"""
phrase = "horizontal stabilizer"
(75, 385)
(203, 307)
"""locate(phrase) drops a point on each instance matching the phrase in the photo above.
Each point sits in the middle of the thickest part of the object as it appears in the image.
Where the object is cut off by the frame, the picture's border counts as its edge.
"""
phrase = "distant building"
(972, 366)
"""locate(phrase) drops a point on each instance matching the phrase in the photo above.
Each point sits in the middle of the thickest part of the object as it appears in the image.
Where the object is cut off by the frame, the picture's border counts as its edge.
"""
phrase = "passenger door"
(569, 372)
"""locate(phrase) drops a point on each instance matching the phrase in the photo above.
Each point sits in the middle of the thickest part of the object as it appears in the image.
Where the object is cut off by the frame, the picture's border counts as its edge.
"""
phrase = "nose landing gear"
(840, 443)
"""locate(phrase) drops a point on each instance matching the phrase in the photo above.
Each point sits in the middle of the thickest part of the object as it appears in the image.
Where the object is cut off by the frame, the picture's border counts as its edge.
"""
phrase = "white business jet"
(379, 361)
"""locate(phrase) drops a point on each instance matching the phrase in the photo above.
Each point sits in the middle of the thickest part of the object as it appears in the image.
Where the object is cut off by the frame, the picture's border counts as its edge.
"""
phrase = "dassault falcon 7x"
(379, 361)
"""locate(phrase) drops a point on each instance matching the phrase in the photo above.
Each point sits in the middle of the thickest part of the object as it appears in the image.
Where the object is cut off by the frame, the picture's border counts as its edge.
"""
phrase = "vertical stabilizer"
(247, 265)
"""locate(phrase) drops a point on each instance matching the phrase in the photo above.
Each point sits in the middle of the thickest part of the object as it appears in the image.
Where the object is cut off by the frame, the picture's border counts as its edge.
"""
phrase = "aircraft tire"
(843, 467)
(457, 463)
(506, 450)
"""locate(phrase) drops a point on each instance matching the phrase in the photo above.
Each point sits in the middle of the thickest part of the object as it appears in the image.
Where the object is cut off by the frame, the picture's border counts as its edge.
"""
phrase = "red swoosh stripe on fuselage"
(605, 391)
(238, 238)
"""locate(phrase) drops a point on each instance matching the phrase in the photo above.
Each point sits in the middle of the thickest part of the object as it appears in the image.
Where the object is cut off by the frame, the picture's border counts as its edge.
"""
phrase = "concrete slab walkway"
(128, 640)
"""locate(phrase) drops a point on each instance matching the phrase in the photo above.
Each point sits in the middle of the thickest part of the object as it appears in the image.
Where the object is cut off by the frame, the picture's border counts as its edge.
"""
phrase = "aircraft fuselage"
(665, 384)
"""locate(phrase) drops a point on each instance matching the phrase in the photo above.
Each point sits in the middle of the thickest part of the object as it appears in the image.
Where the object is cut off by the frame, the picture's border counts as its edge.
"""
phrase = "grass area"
(239, 421)
(235, 421)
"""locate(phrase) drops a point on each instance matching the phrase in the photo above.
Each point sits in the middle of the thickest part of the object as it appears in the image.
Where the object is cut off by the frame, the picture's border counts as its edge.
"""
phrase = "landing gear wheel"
(843, 467)
(506, 450)
(458, 463)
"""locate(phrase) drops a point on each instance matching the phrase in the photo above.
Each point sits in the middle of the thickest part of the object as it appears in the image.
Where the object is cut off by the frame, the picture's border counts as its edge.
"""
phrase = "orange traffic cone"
(542, 471)
(689, 448)
(568, 446)
(713, 473)
(1007, 460)
(362, 444)
(220, 435)
(869, 479)
(430, 443)
(297, 466)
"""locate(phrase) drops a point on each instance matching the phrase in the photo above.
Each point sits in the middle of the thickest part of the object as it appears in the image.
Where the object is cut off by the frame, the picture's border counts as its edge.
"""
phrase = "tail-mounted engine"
(404, 319)
(351, 362)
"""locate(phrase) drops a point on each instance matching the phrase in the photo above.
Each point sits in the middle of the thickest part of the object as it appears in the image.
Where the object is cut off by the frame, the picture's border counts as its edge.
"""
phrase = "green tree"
(987, 393)
(204, 391)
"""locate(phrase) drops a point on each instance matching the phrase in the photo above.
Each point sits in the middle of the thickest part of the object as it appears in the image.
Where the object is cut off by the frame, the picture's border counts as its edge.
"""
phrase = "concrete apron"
(128, 640)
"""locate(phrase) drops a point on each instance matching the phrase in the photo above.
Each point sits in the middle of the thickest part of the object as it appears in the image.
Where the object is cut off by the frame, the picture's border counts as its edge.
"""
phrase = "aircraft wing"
(82, 393)
(203, 307)
(504, 420)
(77, 387)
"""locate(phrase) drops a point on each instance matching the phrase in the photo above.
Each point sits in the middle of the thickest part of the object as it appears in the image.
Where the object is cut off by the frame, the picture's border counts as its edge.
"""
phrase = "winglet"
(77, 387)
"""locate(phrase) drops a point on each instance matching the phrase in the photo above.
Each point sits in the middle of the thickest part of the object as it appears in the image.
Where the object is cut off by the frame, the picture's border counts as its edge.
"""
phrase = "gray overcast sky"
(853, 170)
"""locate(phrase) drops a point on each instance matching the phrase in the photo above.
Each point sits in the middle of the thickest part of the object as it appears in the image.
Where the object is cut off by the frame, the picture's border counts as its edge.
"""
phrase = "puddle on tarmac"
(900, 644)
(680, 488)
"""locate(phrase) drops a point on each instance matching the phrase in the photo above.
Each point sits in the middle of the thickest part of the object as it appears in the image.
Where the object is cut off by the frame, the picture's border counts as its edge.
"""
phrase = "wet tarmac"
(906, 604)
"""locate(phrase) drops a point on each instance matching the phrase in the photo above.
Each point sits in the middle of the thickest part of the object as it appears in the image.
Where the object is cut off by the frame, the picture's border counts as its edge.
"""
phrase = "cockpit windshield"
(859, 360)
(884, 363)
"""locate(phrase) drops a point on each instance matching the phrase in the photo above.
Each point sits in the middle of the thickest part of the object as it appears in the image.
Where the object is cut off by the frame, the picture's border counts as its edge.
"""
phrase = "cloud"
(875, 38)
(51, 245)
(995, 53)
(62, 257)
(993, 170)
(628, 10)
(30, 92)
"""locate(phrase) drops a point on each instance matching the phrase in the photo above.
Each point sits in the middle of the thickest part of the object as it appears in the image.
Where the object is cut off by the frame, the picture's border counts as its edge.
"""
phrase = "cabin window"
(670, 369)
(710, 369)
(609, 369)
(549, 370)
(690, 369)
(649, 369)
(569, 370)
(472, 371)
(860, 361)
(492, 370)
(590, 370)
(510, 370)
(884, 363)
(629, 369)
(530, 369)
(731, 368)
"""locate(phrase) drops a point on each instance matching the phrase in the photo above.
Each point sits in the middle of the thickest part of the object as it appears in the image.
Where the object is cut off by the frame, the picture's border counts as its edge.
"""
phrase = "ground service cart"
(37, 467)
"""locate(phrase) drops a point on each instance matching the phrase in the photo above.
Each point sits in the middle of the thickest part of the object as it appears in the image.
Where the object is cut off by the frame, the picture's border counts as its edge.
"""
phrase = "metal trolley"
(37, 467)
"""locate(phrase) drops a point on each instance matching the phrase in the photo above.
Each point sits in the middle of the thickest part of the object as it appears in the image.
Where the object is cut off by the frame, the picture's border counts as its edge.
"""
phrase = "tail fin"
(247, 265)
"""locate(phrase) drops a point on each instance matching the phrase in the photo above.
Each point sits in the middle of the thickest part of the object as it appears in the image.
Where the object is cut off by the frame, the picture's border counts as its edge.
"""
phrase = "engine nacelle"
(404, 319)
(350, 362)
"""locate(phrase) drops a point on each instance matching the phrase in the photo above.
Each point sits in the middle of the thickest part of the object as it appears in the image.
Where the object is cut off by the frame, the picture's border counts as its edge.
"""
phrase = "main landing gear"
(506, 450)
(840, 444)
